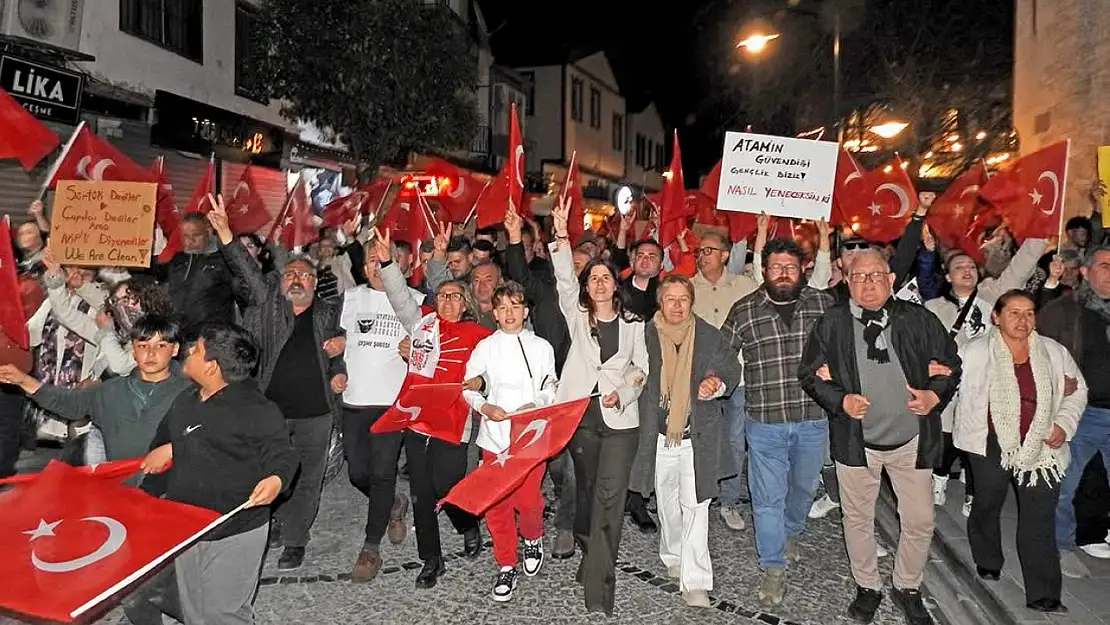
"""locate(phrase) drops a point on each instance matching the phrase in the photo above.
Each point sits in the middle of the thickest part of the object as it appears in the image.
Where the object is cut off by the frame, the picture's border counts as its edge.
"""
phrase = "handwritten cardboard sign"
(780, 176)
(104, 223)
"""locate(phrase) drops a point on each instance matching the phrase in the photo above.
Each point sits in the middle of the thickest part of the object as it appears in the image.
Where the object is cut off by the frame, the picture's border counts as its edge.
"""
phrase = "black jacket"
(222, 448)
(201, 287)
(917, 337)
(538, 280)
(269, 318)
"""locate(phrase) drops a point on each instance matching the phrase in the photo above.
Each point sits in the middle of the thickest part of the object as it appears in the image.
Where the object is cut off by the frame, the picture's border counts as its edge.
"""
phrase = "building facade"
(645, 152)
(1061, 85)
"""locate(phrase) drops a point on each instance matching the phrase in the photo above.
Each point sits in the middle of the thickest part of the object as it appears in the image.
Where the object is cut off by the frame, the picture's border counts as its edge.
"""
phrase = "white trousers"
(683, 520)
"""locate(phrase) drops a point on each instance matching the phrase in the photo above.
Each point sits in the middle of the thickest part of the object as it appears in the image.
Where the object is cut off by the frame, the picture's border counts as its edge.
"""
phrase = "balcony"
(480, 145)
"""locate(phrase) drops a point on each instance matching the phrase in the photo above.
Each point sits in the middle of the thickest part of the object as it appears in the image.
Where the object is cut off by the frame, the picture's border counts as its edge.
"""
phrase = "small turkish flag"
(13, 321)
(1030, 193)
(88, 157)
(362, 201)
(72, 540)
(509, 184)
(459, 189)
(294, 224)
(846, 184)
(572, 193)
(166, 216)
(536, 436)
(972, 244)
(206, 186)
(672, 201)
(884, 203)
(111, 470)
(409, 218)
(424, 408)
(246, 212)
(951, 213)
(22, 136)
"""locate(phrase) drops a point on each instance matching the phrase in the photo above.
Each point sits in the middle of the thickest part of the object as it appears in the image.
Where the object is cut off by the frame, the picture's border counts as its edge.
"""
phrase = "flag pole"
(474, 207)
(58, 161)
(1064, 185)
(146, 568)
(425, 210)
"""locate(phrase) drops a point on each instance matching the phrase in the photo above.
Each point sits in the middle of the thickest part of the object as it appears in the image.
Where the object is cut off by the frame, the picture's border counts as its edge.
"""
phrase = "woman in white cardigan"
(609, 361)
(1020, 401)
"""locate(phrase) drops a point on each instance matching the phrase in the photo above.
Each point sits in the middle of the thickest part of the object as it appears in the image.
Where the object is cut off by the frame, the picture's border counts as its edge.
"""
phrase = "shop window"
(176, 25)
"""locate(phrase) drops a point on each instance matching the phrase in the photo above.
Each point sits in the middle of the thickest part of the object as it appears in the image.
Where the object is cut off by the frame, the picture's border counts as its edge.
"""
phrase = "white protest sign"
(780, 176)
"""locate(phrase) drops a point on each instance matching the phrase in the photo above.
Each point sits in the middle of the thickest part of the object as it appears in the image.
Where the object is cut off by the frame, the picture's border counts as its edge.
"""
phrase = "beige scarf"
(1030, 460)
(677, 346)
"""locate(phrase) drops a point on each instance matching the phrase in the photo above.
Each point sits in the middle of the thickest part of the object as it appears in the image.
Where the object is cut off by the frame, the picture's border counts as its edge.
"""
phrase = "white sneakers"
(967, 507)
(1071, 566)
(733, 518)
(532, 556)
(696, 598)
(940, 490)
(822, 507)
(504, 585)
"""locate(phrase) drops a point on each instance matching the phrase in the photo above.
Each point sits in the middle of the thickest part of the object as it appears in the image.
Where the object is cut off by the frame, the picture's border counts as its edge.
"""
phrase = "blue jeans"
(1091, 437)
(784, 461)
(732, 489)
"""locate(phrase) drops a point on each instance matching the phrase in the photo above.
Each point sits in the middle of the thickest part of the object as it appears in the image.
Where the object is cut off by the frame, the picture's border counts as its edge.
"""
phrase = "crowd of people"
(714, 373)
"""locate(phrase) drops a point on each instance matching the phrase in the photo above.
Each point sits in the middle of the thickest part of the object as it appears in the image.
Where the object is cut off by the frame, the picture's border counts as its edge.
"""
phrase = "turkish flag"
(408, 219)
(22, 136)
(112, 470)
(972, 242)
(72, 540)
(424, 408)
(13, 321)
(880, 209)
(246, 212)
(362, 201)
(294, 225)
(712, 183)
(951, 214)
(459, 189)
(166, 216)
(536, 436)
(847, 183)
(572, 194)
(206, 186)
(704, 209)
(509, 184)
(672, 200)
(88, 157)
(1030, 193)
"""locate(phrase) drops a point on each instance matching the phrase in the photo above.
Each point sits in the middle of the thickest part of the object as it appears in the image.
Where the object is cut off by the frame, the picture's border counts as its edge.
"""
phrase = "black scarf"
(1090, 300)
(874, 322)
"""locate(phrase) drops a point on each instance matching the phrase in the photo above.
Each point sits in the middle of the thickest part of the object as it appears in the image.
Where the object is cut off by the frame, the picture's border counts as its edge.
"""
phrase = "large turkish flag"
(13, 321)
(536, 436)
(246, 211)
(111, 470)
(424, 408)
(1030, 194)
(72, 540)
(88, 157)
(22, 136)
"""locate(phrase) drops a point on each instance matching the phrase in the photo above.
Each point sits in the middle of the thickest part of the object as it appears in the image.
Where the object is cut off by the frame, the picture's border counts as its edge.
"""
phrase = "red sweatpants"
(503, 522)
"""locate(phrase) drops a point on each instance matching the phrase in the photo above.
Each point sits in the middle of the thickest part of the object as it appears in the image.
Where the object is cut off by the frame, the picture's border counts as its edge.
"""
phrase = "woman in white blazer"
(607, 359)
(1019, 404)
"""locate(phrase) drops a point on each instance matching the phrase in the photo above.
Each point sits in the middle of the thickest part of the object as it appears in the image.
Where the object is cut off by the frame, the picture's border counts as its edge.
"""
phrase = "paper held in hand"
(105, 223)
(780, 176)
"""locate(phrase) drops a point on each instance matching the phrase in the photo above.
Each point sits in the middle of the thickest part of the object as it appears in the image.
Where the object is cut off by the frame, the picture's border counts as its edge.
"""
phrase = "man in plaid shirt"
(787, 431)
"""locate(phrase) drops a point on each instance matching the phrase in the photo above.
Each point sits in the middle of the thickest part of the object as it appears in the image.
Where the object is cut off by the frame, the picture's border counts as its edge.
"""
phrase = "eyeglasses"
(855, 246)
(298, 275)
(706, 251)
(874, 276)
(449, 297)
(779, 269)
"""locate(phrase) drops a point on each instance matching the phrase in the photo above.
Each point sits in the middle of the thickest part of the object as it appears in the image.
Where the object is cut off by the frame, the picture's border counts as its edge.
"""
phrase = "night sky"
(680, 54)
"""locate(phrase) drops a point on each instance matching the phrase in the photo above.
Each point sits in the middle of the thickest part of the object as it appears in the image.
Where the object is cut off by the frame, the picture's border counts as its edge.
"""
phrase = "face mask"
(125, 314)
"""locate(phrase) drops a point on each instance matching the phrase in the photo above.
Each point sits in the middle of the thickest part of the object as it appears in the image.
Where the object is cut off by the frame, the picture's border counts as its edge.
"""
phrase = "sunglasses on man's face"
(855, 246)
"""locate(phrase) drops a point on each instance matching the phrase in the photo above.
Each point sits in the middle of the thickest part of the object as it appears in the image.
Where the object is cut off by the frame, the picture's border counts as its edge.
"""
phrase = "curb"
(958, 596)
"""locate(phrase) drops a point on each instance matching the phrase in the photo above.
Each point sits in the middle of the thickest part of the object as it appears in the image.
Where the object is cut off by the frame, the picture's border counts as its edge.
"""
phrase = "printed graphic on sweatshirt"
(378, 331)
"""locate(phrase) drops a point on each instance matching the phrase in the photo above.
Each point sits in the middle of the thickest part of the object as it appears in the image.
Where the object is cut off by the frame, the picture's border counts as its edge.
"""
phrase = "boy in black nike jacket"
(228, 445)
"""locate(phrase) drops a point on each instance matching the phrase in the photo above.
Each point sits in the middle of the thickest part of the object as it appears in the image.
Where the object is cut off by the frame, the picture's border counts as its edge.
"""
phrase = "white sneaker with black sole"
(505, 584)
(532, 556)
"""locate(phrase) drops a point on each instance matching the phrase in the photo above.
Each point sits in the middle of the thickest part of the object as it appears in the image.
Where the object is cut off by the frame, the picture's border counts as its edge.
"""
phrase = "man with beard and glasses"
(787, 430)
(301, 369)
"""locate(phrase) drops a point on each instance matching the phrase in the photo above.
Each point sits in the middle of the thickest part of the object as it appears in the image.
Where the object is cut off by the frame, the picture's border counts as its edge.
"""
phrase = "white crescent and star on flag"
(903, 199)
(96, 174)
(117, 535)
(535, 429)
(1036, 196)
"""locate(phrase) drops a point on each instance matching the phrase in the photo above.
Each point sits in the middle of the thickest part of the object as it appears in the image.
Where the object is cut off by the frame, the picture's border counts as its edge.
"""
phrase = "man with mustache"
(300, 368)
(787, 430)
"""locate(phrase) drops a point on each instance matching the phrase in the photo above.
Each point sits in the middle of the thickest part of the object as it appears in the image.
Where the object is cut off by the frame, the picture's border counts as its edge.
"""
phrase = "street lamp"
(889, 130)
(754, 44)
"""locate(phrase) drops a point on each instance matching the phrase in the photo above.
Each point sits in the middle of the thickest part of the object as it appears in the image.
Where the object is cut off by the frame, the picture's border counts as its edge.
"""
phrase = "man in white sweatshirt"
(517, 370)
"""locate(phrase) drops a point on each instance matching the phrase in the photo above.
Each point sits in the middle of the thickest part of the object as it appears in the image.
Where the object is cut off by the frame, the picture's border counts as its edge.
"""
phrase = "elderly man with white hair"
(883, 369)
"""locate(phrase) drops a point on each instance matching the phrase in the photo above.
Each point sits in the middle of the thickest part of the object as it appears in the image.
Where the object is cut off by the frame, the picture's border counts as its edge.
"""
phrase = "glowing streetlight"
(754, 44)
(889, 130)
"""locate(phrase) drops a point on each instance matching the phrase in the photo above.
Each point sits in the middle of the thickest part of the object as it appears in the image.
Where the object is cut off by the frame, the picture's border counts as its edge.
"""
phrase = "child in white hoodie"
(517, 369)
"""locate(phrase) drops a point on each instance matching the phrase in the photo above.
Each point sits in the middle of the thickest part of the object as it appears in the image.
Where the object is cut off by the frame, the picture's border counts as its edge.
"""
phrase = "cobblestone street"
(819, 590)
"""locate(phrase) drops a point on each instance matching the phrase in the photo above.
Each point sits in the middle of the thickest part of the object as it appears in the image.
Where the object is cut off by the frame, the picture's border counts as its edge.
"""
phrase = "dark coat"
(1062, 320)
(713, 459)
(269, 318)
(538, 280)
(917, 337)
(201, 287)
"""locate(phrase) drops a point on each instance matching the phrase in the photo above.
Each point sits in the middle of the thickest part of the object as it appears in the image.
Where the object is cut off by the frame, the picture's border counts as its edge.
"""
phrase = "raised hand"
(218, 218)
(559, 215)
(513, 224)
(439, 242)
(382, 245)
